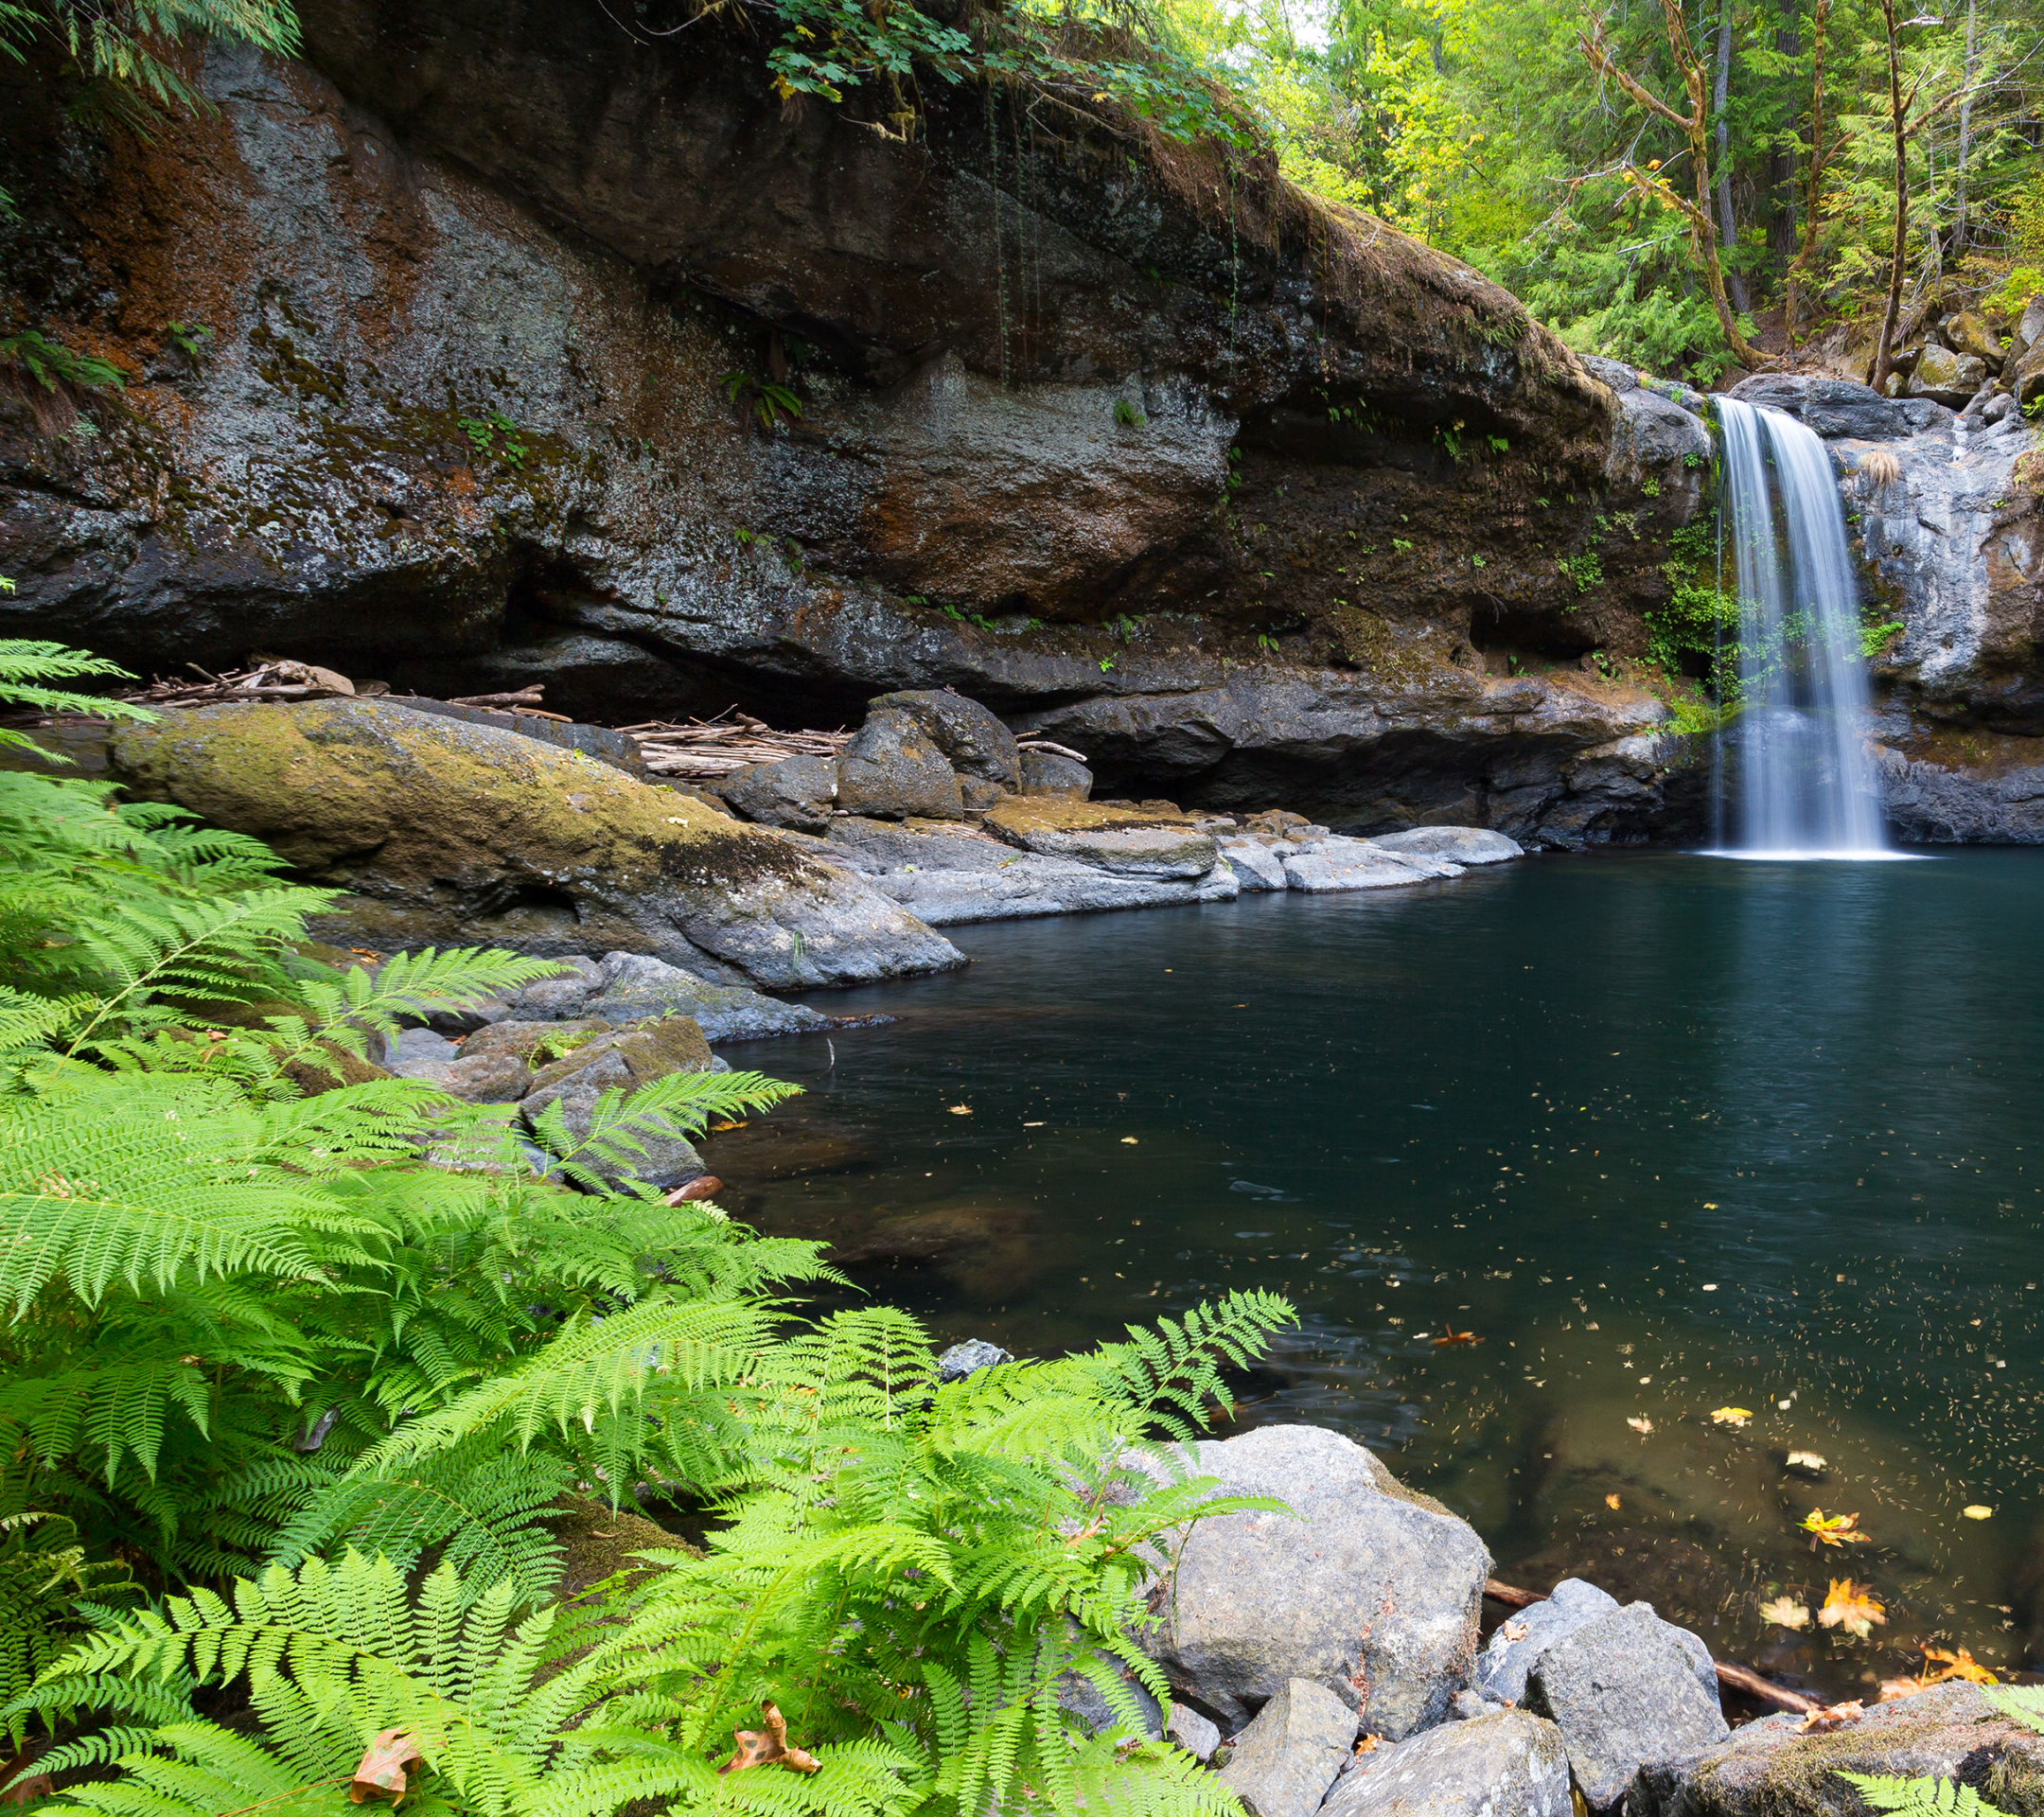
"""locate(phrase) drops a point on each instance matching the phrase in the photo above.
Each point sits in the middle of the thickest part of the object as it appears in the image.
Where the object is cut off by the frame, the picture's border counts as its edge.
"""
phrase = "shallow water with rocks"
(1647, 1137)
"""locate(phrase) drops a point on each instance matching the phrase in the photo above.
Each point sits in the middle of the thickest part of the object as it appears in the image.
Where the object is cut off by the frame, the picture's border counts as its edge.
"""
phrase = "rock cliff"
(462, 359)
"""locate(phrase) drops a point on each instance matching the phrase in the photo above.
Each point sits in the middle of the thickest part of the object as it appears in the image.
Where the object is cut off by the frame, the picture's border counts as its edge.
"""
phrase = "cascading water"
(1804, 785)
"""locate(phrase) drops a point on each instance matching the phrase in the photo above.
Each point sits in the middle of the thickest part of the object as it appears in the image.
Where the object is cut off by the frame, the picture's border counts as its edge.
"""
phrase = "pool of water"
(1660, 1135)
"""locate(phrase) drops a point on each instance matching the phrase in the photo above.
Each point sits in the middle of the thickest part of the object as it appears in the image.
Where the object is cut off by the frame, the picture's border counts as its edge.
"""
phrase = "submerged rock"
(1286, 1759)
(1504, 1764)
(1365, 1587)
(451, 833)
(1623, 1691)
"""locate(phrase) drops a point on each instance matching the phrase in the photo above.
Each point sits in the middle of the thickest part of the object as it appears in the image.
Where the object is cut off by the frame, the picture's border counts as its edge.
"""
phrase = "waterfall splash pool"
(1671, 1138)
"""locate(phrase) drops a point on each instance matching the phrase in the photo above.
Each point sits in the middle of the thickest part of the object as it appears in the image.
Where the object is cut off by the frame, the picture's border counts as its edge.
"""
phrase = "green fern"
(1921, 1797)
(2025, 1702)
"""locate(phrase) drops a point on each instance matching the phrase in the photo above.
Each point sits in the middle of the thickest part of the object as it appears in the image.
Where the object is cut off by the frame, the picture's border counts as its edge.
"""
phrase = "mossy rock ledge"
(448, 834)
(1769, 1768)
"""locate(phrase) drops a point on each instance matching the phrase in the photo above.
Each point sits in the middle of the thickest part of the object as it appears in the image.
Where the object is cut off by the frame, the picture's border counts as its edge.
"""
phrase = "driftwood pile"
(704, 749)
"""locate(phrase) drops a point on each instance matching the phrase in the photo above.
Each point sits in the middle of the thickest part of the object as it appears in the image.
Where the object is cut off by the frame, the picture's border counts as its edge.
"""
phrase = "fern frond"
(1920, 1797)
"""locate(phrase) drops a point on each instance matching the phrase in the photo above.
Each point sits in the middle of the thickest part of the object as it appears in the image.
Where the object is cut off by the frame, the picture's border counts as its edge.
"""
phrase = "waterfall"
(1804, 785)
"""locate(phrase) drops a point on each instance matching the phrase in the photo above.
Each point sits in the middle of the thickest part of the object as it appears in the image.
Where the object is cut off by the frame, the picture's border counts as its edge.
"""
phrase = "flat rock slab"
(1286, 1759)
(1255, 866)
(1624, 1694)
(1770, 1769)
(633, 987)
(1329, 866)
(1510, 1764)
(449, 833)
(1139, 842)
(1365, 1587)
(1463, 845)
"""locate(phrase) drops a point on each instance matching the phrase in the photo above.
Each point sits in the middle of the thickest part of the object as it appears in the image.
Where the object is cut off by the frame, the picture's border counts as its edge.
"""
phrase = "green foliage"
(51, 364)
(190, 339)
(1127, 415)
(1920, 1797)
(123, 42)
(484, 432)
(771, 403)
(1585, 570)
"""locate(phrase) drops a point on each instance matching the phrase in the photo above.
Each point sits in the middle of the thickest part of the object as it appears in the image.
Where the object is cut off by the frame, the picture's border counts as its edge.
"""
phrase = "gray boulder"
(796, 791)
(1255, 866)
(1517, 1643)
(1328, 866)
(1944, 376)
(555, 998)
(1286, 1759)
(478, 1076)
(1044, 773)
(893, 771)
(1190, 1730)
(1772, 1767)
(2029, 328)
(968, 1358)
(623, 1059)
(974, 741)
(632, 987)
(1504, 1764)
(1654, 431)
(1365, 1587)
(1624, 1693)
(1614, 373)
(1077, 1695)
(1457, 844)
(1838, 407)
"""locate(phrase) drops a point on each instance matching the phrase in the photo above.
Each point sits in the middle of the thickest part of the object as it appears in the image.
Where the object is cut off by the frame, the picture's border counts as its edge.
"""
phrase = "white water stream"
(1804, 786)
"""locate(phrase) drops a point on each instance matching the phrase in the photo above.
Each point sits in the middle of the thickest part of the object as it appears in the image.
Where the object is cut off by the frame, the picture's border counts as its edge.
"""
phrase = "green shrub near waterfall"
(295, 1375)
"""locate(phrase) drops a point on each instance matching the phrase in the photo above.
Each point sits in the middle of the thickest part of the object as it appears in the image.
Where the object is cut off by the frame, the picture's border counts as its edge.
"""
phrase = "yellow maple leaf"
(1611, 1500)
(1837, 1529)
(1851, 1606)
(1959, 1665)
(1731, 1416)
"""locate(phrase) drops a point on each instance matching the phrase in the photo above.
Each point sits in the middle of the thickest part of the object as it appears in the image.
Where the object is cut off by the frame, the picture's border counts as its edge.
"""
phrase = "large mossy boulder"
(448, 834)
(1135, 842)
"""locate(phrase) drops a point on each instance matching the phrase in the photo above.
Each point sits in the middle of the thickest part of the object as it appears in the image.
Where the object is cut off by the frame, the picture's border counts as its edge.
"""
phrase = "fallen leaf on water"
(1450, 1335)
(1128, 1141)
(1786, 1612)
(1892, 1688)
(1977, 1511)
(1641, 1426)
(1835, 1717)
(717, 1129)
(1731, 1416)
(962, 1110)
(1959, 1665)
(1837, 1529)
(382, 1765)
(1851, 1606)
(1807, 1461)
(1611, 1500)
(762, 1747)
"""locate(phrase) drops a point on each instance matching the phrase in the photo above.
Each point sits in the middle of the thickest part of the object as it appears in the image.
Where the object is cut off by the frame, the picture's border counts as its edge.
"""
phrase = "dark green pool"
(1668, 1134)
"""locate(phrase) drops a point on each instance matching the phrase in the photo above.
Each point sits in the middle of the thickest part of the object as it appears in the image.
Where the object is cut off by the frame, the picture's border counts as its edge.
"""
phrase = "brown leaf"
(1367, 1744)
(381, 1770)
(1959, 1665)
(1892, 1688)
(764, 1747)
(1836, 1717)
(704, 1186)
(37, 1785)
(1450, 1335)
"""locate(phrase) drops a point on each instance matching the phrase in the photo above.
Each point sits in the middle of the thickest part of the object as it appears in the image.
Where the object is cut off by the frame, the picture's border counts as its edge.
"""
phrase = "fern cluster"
(268, 1354)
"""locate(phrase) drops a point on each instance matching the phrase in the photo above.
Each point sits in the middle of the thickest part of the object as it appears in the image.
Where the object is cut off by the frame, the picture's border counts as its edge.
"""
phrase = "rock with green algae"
(1139, 841)
(1770, 1769)
(448, 834)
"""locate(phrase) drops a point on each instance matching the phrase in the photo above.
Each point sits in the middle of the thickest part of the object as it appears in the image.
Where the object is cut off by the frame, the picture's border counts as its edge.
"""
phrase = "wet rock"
(1044, 773)
(966, 1359)
(1955, 802)
(1255, 866)
(1286, 1759)
(1331, 865)
(796, 791)
(892, 770)
(1366, 1587)
(983, 1245)
(452, 833)
(1656, 434)
(1129, 842)
(633, 987)
(1770, 1768)
(624, 1060)
(974, 741)
(1944, 376)
(1624, 1693)
(1505, 1763)
(1463, 845)
(1192, 1732)
(1838, 407)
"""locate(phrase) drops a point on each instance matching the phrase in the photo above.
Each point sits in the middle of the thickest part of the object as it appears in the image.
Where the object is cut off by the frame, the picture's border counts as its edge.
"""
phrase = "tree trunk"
(1813, 186)
(1727, 227)
(1885, 357)
(1965, 124)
